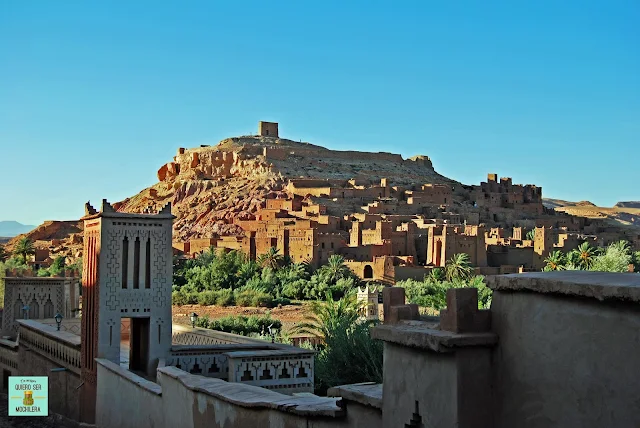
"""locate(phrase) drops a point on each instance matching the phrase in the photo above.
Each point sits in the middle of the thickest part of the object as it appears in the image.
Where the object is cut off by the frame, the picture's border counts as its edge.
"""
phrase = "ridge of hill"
(212, 186)
(623, 214)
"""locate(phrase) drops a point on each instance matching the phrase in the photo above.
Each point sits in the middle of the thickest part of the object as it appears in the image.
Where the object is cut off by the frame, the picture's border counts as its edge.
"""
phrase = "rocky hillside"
(63, 238)
(211, 186)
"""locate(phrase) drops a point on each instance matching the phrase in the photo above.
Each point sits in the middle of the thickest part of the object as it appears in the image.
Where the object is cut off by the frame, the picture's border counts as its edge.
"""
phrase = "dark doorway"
(139, 345)
(368, 271)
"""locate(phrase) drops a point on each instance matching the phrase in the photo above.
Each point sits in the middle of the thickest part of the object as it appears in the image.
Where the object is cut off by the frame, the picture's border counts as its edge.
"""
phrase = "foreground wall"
(179, 399)
(569, 350)
(43, 349)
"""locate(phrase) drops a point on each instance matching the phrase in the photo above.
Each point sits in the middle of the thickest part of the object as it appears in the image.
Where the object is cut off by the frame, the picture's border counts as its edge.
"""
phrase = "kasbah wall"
(400, 232)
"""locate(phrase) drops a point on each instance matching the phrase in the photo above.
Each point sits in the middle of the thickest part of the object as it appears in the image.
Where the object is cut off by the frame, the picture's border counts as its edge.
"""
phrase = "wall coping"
(67, 338)
(424, 335)
(269, 353)
(367, 393)
(143, 383)
(231, 337)
(598, 285)
(250, 396)
(222, 348)
(9, 344)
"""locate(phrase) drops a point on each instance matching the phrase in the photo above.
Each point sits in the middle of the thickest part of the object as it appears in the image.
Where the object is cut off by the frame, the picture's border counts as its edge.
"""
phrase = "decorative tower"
(126, 274)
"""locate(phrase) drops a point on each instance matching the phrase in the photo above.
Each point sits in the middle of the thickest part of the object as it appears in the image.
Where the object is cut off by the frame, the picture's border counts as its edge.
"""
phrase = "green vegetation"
(242, 325)
(347, 354)
(615, 258)
(230, 278)
(431, 292)
(24, 248)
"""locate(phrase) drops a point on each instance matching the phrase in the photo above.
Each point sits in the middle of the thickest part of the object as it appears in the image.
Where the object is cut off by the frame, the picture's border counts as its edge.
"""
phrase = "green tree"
(335, 269)
(4, 255)
(586, 255)
(616, 258)
(531, 235)
(555, 261)
(24, 248)
(325, 316)
(272, 259)
(347, 354)
(458, 267)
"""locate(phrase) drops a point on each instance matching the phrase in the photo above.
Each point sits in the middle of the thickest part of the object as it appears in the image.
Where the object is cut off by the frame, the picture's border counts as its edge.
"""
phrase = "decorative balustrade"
(59, 346)
(242, 359)
(287, 371)
(9, 354)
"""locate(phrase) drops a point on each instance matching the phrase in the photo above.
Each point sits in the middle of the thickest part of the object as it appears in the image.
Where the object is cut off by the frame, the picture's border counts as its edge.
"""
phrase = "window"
(125, 261)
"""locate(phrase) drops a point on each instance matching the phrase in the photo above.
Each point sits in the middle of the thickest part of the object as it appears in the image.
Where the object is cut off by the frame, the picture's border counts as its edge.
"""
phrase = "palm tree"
(586, 255)
(458, 267)
(24, 248)
(327, 316)
(247, 270)
(555, 261)
(531, 235)
(335, 268)
(437, 275)
(271, 259)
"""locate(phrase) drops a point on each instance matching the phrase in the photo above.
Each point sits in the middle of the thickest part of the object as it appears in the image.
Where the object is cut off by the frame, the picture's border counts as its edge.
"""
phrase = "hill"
(628, 204)
(211, 186)
(622, 214)
(9, 229)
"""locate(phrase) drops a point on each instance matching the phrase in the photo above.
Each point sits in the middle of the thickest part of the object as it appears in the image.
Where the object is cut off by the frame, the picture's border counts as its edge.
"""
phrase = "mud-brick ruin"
(390, 218)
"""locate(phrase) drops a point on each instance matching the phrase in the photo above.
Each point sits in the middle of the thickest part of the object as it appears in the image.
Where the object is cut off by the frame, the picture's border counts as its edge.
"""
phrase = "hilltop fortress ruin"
(390, 218)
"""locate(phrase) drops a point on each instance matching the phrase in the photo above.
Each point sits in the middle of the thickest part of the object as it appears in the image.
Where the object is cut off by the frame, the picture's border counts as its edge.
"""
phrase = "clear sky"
(96, 96)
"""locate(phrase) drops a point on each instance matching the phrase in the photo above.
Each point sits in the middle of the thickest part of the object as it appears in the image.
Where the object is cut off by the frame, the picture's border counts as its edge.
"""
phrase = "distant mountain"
(9, 229)
(628, 204)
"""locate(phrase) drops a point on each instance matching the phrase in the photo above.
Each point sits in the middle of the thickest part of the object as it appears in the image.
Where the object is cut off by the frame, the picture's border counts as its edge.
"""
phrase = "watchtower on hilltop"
(268, 129)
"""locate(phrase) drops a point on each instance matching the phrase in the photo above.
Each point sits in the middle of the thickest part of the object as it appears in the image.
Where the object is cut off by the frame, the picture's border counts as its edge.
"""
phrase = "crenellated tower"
(127, 273)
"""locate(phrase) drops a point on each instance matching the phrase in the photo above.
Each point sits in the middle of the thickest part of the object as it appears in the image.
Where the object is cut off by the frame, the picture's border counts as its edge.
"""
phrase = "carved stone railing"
(285, 370)
(59, 346)
(204, 360)
(182, 335)
(9, 354)
(241, 359)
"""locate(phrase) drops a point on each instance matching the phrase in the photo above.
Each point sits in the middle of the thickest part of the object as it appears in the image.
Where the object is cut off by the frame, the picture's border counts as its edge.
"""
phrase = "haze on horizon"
(94, 98)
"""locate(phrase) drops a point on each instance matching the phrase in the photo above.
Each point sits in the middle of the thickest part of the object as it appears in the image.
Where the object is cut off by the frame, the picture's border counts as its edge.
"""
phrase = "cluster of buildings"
(527, 362)
(390, 233)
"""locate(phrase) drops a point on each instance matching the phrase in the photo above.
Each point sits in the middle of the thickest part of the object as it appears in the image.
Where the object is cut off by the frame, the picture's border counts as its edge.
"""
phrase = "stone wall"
(179, 399)
(568, 352)
(42, 349)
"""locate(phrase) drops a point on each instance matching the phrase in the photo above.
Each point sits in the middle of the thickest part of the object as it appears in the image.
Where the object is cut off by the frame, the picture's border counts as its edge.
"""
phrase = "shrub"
(241, 324)
(225, 298)
(207, 298)
(249, 297)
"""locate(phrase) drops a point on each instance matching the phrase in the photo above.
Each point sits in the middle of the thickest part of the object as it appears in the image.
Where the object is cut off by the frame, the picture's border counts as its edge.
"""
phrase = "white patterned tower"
(127, 273)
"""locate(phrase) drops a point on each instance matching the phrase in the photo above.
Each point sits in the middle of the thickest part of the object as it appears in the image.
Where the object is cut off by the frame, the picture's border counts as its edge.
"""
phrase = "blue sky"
(96, 96)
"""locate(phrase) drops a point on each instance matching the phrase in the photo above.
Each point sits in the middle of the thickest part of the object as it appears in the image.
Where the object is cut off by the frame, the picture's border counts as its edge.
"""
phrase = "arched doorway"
(368, 272)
